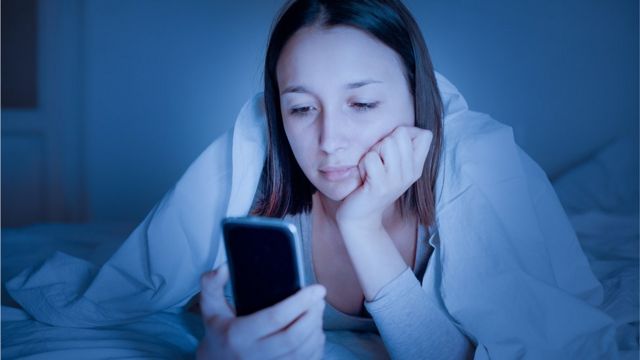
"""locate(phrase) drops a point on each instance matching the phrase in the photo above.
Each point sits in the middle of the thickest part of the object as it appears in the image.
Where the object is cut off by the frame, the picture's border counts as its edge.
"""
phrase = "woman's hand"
(389, 168)
(289, 329)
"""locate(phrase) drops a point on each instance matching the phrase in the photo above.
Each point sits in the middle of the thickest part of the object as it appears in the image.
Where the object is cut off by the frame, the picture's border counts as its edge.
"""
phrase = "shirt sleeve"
(411, 325)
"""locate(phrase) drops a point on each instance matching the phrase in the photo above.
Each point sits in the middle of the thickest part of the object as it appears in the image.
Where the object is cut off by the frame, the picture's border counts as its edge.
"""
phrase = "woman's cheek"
(302, 153)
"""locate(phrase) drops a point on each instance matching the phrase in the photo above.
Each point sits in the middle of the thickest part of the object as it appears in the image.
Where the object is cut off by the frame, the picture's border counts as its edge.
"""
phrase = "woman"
(355, 136)
(437, 232)
(340, 104)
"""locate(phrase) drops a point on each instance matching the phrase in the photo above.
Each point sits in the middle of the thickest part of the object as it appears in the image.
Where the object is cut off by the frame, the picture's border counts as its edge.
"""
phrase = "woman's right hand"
(290, 329)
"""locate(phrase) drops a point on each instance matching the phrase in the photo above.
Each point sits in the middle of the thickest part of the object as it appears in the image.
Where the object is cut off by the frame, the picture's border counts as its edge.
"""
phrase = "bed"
(600, 196)
(162, 335)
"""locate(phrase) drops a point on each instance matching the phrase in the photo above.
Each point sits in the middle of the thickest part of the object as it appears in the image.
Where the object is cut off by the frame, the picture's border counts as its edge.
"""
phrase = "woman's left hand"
(387, 170)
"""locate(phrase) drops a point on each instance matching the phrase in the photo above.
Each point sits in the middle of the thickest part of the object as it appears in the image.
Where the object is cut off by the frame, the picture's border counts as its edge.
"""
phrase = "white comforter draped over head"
(158, 267)
(508, 266)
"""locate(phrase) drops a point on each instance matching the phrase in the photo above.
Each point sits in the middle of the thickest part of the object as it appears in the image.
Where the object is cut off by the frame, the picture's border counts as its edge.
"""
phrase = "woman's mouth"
(337, 173)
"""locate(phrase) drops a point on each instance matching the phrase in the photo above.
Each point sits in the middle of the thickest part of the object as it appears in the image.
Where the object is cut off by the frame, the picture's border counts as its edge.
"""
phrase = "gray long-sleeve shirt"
(411, 323)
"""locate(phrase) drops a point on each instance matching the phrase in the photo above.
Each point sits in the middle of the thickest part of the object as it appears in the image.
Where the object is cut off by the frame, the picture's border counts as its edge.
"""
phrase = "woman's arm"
(410, 324)
(375, 257)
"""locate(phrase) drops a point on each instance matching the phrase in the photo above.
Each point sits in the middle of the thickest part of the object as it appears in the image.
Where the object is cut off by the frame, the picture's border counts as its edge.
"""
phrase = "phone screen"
(262, 264)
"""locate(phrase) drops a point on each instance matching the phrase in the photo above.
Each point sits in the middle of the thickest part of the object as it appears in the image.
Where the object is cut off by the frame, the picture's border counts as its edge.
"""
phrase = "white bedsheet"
(162, 335)
(159, 336)
(610, 242)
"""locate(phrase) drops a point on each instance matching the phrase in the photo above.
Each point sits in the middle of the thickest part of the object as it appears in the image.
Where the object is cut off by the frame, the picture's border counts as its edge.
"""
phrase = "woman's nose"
(333, 132)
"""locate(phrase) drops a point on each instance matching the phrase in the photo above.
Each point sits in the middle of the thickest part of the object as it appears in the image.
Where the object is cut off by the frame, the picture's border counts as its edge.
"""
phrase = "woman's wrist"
(373, 254)
(362, 232)
(360, 229)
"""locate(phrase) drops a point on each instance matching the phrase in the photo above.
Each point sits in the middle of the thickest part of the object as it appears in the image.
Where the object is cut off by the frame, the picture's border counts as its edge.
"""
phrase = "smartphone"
(264, 256)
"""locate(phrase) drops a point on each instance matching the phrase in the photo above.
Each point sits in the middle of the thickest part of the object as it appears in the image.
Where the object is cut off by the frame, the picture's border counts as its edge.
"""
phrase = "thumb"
(212, 300)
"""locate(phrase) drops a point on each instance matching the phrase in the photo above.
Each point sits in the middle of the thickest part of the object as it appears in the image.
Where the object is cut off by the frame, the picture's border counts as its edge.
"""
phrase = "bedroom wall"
(161, 79)
(164, 78)
(564, 73)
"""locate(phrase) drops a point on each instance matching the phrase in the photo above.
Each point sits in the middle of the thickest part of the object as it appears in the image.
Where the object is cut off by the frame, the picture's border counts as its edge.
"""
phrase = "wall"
(162, 78)
(564, 73)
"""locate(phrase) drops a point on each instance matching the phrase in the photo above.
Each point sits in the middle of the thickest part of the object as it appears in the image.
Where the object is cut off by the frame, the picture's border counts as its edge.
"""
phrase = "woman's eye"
(358, 106)
(364, 106)
(300, 111)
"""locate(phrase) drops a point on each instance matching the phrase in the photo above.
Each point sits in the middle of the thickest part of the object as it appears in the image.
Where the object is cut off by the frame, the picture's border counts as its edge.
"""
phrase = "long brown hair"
(284, 189)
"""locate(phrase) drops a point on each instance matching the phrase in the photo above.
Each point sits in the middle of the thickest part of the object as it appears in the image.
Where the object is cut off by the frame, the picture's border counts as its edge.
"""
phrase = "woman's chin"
(338, 191)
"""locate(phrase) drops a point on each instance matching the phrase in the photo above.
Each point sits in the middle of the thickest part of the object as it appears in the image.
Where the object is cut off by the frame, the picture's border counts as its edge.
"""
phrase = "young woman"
(348, 145)
(421, 220)
(355, 143)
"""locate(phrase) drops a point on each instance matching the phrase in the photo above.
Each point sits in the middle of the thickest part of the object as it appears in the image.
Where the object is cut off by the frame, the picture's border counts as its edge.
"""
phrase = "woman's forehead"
(340, 54)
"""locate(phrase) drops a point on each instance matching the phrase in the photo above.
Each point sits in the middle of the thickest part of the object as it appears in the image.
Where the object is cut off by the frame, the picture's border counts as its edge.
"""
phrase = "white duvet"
(513, 276)
(610, 242)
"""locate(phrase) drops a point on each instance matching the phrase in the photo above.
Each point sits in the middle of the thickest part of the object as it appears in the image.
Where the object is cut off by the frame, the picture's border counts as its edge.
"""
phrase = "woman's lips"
(337, 173)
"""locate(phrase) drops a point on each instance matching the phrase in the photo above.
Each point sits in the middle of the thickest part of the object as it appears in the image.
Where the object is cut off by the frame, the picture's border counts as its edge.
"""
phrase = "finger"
(212, 300)
(278, 316)
(421, 146)
(390, 155)
(414, 131)
(405, 148)
(373, 168)
(311, 348)
(423, 141)
(296, 335)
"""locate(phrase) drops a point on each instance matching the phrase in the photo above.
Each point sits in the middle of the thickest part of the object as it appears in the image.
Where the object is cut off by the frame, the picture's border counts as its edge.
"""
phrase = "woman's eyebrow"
(357, 84)
(352, 85)
(294, 89)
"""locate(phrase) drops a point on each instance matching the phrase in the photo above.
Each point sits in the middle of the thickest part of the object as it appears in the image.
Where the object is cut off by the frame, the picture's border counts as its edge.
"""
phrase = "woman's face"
(341, 91)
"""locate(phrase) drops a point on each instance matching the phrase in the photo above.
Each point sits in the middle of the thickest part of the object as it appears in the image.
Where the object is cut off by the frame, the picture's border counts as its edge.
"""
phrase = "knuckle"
(216, 322)
(403, 133)
(205, 279)
(383, 147)
(391, 141)
(417, 174)
(428, 134)
(211, 323)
